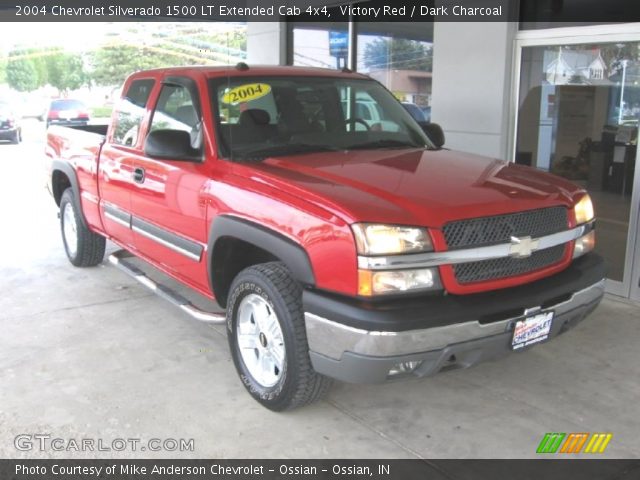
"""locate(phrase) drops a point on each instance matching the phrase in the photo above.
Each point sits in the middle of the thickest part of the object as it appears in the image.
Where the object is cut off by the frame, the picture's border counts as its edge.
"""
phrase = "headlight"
(373, 239)
(584, 210)
(397, 281)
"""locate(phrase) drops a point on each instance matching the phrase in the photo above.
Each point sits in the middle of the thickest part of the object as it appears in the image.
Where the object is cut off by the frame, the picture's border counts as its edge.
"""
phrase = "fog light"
(397, 281)
(404, 368)
(584, 244)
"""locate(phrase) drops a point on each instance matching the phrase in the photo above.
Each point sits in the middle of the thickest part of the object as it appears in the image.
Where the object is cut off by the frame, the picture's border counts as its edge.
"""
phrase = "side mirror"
(171, 145)
(434, 132)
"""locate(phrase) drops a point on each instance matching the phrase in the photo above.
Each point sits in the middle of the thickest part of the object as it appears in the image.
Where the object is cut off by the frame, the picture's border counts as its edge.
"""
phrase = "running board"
(118, 259)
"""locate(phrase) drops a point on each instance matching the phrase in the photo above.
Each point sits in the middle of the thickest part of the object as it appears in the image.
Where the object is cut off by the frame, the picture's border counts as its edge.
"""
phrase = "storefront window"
(324, 45)
(579, 110)
(400, 56)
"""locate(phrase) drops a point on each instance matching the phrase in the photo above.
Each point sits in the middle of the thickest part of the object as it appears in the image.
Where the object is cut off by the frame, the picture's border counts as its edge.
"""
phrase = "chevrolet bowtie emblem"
(523, 247)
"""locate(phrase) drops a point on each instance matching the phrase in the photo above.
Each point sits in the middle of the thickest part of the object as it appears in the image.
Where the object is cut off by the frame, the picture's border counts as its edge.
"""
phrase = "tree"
(66, 71)
(398, 53)
(21, 74)
(3, 71)
(38, 59)
(112, 64)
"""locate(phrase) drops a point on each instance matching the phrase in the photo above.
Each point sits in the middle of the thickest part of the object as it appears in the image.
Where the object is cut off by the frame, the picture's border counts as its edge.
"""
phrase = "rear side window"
(130, 112)
(65, 104)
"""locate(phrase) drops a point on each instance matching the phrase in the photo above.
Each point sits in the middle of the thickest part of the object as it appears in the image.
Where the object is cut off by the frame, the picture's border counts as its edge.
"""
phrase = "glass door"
(578, 117)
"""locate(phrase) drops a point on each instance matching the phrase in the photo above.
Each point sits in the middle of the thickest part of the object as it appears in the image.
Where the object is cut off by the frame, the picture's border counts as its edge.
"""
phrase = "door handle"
(138, 175)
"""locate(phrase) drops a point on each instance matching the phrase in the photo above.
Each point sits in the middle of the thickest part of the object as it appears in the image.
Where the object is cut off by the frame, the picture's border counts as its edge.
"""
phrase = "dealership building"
(560, 96)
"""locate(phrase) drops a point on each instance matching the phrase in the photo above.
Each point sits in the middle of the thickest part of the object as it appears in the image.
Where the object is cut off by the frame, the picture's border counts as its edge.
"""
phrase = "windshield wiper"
(258, 154)
(388, 143)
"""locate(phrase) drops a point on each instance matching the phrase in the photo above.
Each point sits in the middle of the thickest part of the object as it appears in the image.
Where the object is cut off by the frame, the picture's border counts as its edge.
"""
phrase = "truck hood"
(414, 186)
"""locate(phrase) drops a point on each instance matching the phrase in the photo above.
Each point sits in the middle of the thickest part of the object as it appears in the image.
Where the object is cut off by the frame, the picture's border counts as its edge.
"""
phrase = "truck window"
(130, 112)
(175, 110)
(261, 116)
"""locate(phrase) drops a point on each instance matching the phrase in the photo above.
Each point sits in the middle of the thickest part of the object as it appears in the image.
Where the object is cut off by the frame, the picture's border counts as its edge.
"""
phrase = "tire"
(265, 310)
(83, 247)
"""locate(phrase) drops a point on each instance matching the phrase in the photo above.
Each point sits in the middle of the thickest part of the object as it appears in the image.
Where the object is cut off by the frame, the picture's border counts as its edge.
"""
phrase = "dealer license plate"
(532, 330)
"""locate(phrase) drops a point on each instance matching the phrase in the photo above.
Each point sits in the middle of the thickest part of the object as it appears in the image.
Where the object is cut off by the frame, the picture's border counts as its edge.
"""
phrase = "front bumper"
(482, 329)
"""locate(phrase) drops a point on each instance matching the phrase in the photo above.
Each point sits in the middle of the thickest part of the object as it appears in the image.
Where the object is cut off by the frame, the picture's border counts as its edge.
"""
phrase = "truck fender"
(70, 173)
(286, 250)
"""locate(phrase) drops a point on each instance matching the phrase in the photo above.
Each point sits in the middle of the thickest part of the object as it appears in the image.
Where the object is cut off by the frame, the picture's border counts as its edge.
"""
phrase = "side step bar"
(118, 259)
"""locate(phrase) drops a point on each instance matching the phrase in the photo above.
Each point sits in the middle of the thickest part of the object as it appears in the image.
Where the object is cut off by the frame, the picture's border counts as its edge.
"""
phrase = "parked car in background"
(427, 112)
(416, 112)
(67, 112)
(10, 128)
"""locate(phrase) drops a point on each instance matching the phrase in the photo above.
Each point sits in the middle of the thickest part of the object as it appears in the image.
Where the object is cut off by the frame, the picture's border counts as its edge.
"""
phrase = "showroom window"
(399, 55)
(324, 45)
(578, 117)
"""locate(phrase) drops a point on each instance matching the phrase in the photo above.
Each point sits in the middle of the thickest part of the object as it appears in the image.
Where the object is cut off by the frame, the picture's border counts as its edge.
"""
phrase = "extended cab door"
(116, 166)
(167, 201)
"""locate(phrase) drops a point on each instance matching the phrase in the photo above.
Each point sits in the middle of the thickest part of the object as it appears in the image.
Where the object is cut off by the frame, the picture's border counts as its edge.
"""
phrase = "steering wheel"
(354, 120)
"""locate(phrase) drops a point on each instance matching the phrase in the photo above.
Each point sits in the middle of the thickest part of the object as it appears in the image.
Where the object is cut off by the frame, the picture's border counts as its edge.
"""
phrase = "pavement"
(90, 354)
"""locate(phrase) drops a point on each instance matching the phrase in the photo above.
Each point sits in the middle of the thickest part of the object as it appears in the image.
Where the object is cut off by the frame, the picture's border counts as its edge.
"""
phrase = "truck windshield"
(258, 117)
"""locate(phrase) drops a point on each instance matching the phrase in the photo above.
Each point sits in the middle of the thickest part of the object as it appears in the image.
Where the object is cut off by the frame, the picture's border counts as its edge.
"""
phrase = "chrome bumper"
(331, 342)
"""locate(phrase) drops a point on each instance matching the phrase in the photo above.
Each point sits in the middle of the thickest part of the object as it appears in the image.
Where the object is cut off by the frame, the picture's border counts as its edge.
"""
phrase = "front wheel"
(84, 248)
(268, 340)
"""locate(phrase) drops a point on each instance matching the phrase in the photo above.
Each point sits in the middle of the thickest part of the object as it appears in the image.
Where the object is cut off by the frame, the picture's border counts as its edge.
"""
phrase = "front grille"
(507, 266)
(478, 232)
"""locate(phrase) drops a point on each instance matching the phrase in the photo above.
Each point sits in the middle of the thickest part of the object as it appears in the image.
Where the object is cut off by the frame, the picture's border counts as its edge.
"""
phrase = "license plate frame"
(532, 330)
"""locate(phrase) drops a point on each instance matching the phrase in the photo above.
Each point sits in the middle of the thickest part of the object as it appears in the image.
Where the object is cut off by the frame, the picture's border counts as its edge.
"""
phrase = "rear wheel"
(268, 340)
(84, 248)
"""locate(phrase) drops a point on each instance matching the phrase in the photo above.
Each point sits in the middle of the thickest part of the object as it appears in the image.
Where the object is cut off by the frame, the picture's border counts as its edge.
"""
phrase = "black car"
(9, 124)
(67, 112)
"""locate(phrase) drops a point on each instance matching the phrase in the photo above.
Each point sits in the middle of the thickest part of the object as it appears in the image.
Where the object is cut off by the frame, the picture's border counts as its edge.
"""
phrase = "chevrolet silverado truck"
(337, 247)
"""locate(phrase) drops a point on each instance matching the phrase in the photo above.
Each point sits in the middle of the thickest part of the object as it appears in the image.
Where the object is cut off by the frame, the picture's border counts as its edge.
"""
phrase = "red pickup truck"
(338, 246)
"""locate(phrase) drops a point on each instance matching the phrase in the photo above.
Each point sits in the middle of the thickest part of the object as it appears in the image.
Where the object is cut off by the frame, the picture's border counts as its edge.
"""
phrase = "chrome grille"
(508, 266)
(477, 232)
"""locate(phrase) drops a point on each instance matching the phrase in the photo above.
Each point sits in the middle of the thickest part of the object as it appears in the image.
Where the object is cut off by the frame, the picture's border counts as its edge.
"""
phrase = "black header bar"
(524, 11)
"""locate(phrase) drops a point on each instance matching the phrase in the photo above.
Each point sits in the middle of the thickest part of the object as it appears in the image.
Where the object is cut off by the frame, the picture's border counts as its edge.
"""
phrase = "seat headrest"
(254, 116)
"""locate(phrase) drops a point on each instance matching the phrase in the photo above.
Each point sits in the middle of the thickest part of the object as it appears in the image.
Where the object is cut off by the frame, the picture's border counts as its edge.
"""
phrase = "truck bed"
(76, 151)
(99, 129)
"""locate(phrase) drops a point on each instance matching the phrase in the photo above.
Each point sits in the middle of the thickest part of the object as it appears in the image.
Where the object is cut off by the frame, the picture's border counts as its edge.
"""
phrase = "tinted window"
(130, 112)
(262, 116)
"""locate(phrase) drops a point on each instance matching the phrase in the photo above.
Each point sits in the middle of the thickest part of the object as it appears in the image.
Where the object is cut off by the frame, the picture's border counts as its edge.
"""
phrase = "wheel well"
(229, 257)
(59, 183)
